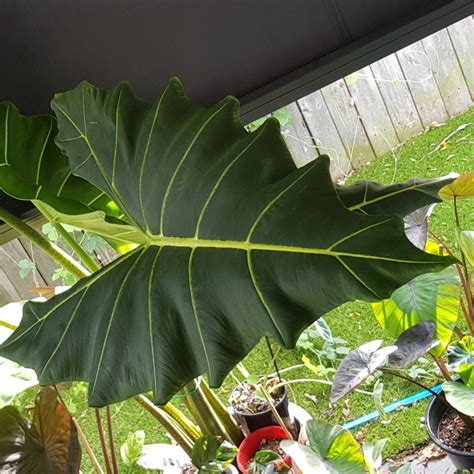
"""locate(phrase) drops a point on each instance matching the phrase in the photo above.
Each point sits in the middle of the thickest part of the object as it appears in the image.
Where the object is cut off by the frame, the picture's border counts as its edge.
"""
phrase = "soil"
(454, 433)
(190, 470)
(245, 399)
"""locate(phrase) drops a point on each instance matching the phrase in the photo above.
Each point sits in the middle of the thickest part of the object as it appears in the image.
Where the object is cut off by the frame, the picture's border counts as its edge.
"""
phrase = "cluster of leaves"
(212, 455)
(267, 461)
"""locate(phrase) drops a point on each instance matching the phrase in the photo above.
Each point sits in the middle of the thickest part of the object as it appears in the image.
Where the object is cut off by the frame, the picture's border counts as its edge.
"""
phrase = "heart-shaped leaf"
(430, 297)
(33, 167)
(461, 188)
(331, 450)
(413, 343)
(357, 366)
(460, 397)
(461, 352)
(416, 226)
(238, 243)
(466, 372)
(400, 199)
(49, 444)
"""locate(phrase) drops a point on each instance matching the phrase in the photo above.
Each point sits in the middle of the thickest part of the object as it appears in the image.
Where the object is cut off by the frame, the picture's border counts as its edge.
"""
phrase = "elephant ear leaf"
(413, 344)
(237, 243)
(399, 199)
(430, 297)
(49, 444)
(461, 188)
(32, 167)
(357, 366)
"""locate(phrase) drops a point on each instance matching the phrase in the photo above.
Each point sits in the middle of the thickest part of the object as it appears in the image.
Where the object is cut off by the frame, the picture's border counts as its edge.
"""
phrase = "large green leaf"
(430, 297)
(48, 445)
(461, 352)
(238, 244)
(460, 397)
(33, 167)
(331, 449)
(399, 199)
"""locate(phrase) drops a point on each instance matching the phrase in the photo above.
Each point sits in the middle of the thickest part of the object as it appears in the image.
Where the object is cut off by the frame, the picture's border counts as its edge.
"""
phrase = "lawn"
(353, 322)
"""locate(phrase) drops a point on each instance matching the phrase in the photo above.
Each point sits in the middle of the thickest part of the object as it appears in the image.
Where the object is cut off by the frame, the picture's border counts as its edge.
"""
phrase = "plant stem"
(415, 382)
(103, 444)
(233, 431)
(442, 367)
(61, 257)
(8, 325)
(111, 439)
(168, 423)
(183, 421)
(273, 358)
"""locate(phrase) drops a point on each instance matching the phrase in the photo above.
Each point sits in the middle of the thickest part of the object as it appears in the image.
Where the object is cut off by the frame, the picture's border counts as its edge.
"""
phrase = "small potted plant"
(261, 441)
(250, 403)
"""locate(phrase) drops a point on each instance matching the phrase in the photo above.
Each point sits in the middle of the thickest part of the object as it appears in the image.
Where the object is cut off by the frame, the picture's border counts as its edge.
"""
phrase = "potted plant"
(454, 407)
(264, 439)
(440, 298)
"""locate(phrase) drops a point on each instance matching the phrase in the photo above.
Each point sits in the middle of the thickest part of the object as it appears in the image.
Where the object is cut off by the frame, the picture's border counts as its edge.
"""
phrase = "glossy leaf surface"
(413, 343)
(238, 244)
(461, 352)
(357, 366)
(400, 199)
(430, 297)
(460, 397)
(331, 449)
(33, 167)
(49, 444)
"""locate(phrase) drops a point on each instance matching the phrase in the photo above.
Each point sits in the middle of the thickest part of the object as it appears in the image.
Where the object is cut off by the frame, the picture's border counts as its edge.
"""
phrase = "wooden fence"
(353, 120)
(369, 113)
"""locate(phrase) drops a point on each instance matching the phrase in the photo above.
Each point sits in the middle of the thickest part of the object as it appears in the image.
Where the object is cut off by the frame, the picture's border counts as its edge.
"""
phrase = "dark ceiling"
(266, 52)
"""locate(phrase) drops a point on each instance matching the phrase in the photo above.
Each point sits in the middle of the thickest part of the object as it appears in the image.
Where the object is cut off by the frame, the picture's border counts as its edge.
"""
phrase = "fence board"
(325, 133)
(447, 72)
(418, 73)
(12, 286)
(372, 111)
(398, 100)
(298, 138)
(462, 37)
(346, 119)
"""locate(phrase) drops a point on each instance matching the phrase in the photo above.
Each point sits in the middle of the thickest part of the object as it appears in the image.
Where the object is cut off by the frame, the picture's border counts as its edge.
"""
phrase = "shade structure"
(267, 53)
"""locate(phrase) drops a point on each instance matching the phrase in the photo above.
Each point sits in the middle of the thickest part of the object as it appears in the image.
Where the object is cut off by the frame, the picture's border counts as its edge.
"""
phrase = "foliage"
(132, 448)
(48, 444)
(209, 454)
(288, 219)
(266, 461)
(26, 266)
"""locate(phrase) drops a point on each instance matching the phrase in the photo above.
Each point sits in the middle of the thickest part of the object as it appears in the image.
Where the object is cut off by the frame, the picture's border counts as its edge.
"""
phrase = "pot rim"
(435, 438)
(250, 415)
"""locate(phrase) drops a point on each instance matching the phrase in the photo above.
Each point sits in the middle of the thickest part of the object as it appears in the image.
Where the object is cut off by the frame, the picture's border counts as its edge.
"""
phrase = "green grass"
(352, 321)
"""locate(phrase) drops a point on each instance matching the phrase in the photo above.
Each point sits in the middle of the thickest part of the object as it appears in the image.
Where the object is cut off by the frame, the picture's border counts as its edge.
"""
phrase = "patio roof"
(267, 53)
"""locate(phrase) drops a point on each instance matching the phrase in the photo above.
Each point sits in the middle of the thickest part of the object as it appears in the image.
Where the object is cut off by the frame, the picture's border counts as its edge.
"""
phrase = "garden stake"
(103, 444)
(111, 439)
(275, 412)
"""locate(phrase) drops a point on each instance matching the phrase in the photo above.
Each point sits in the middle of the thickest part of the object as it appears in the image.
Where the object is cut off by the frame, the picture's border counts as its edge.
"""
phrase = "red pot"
(251, 444)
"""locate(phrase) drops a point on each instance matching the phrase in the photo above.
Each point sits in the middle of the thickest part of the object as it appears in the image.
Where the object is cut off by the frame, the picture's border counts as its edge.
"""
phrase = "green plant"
(266, 461)
(210, 454)
(132, 448)
(259, 243)
(331, 449)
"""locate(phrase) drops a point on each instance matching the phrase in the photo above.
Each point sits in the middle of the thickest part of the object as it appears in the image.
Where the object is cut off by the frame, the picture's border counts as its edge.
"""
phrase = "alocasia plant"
(233, 242)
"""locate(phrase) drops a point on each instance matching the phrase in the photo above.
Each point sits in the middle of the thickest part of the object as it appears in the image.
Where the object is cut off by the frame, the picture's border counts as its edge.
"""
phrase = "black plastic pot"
(434, 414)
(265, 418)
